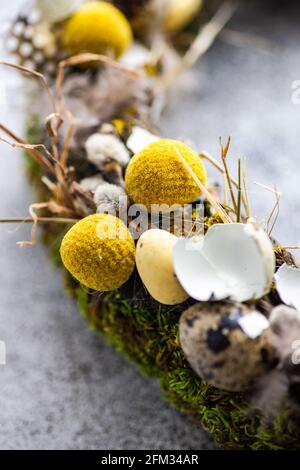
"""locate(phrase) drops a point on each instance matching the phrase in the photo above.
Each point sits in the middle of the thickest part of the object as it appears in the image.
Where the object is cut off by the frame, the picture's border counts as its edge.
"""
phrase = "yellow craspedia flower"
(179, 13)
(156, 175)
(97, 27)
(99, 252)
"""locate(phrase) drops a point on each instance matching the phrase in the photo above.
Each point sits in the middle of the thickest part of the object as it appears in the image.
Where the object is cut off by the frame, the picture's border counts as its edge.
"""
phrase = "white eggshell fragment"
(154, 261)
(253, 324)
(140, 138)
(137, 56)
(234, 261)
(288, 285)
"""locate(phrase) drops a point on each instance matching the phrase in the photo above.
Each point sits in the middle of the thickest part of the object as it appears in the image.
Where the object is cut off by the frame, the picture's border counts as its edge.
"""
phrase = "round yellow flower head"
(156, 175)
(180, 12)
(97, 27)
(99, 252)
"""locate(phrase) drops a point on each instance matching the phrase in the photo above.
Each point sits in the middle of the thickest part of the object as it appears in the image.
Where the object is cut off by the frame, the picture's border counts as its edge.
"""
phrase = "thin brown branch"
(201, 44)
(224, 216)
(43, 220)
(34, 216)
(53, 123)
(68, 138)
(275, 209)
(39, 157)
(224, 152)
(239, 200)
(36, 74)
(207, 156)
(246, 196)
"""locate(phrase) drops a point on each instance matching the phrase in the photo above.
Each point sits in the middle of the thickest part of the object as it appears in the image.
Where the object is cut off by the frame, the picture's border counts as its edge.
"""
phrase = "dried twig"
(203, 41)
(275, 209)
(68, 138)
(225, 217)
(53, 123)
(239, 200)
(31, 149)
(224, 152)
(243, 39)
(32, 209)
(36, 74)
(207, 156)
(246, 197)
(42, 220)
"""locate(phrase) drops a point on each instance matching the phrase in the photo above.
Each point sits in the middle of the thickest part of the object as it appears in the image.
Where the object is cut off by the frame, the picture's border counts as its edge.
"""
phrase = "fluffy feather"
(274, 389)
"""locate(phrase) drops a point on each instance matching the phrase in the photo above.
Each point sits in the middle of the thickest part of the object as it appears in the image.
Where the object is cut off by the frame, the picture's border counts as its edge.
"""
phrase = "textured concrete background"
(62, 387)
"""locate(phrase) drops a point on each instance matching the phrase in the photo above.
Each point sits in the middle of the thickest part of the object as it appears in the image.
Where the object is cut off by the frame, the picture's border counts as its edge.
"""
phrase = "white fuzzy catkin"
(104, 148)
(91, 183)
(110, 198)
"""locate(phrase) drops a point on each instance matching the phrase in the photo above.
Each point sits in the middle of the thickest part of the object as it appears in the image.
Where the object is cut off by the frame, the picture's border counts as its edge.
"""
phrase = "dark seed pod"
(227, 344)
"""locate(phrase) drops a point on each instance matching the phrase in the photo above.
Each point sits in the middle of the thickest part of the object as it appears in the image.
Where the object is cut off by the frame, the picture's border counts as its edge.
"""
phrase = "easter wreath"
(210, 307)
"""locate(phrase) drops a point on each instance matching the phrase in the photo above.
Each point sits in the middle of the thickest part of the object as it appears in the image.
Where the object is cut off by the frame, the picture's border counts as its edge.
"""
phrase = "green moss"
(33, 134)
(149, 338)
(147, 334)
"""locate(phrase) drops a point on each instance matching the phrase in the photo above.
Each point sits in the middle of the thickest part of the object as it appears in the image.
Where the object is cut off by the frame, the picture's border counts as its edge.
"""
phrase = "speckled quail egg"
(227, 344)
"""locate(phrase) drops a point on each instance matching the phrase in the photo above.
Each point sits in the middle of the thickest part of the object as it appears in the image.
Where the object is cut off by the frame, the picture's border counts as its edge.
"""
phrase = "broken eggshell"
(288, 285)
(154, 264)
(234, 261)
(227, 344)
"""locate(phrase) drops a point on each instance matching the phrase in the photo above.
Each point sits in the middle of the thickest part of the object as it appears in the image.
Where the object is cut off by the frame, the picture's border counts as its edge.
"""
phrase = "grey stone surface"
(62, 387)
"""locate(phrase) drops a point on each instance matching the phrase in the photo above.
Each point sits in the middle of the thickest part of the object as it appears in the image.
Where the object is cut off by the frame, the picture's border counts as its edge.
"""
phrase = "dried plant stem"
(243, 39)
(207, 156)
(224, 152)
(53, 124)
(36, 74)
(239, 200)
(203, 41)
(31, 149)
(42, 220)
(68, 139)
(225, 190)
(225, 217)
(245, 193)
(285, 248)
(275, 209)
(34, 216)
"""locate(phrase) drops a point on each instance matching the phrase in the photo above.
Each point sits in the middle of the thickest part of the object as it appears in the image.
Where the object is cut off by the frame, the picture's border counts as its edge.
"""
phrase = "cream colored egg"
(154, 260)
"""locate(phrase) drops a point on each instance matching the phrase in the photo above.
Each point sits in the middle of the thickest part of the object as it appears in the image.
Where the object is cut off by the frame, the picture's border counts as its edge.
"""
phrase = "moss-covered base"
(147, 333)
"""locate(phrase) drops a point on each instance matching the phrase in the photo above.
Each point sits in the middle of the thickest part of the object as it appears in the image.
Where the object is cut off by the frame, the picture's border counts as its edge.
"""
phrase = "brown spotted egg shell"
(218, 349)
